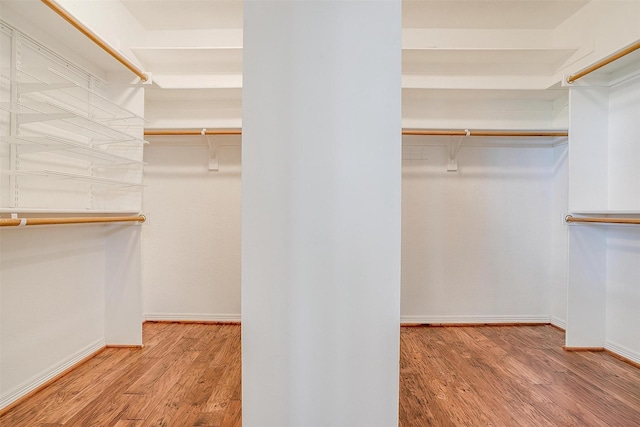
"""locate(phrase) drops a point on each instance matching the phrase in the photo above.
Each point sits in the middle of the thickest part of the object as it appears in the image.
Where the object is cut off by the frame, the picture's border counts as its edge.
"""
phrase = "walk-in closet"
(320, 174)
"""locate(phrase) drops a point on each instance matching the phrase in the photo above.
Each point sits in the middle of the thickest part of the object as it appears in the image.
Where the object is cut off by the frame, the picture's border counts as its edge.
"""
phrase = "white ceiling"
(194, 60)
(186, 14)
(474, 14)
(484, 61)
(488, 14)
(478, 42)
(213, 65)
(456, 53)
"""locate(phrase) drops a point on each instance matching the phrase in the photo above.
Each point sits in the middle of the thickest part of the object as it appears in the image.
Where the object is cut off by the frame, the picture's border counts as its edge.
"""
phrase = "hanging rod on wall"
(19, 222)
(429, 132)
(608, 60)
(176, 132)
(467, 132)
(570, 219)
(96, 39)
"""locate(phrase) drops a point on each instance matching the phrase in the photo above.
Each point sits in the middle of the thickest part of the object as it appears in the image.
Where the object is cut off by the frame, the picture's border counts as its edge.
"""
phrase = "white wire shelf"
(62, 118)
(38, 144)
(86, 211)
(49, 174)
(70, 92)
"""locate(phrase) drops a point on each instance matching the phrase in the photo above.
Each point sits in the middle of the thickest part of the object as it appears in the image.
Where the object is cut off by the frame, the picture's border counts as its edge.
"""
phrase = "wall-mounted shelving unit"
(605, 136)
(604, 181)
(65, 146)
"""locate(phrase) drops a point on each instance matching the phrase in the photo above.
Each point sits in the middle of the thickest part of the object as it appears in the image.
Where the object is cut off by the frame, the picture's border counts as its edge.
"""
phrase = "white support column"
(321, 213)
(586, 287)
(123, 290)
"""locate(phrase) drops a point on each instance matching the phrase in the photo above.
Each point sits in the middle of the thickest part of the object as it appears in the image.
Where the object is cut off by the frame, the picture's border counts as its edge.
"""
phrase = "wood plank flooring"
(189, 375)
(511, 376)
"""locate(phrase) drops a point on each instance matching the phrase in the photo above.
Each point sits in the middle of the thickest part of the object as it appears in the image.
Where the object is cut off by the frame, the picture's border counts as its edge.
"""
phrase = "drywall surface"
(321, 213)
(623, 242)
(191, 243)
(476, 243)
(622, 334)
(486, 243)
(623, 177)
(559, 238)
(52, 302)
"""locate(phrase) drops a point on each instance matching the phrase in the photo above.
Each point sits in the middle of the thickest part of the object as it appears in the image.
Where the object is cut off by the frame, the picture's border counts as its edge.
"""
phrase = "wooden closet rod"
(167, 132)
(430, 132)
(96, 39)
(466, 132)
(17, 222)
(570, 218)
(609, 59)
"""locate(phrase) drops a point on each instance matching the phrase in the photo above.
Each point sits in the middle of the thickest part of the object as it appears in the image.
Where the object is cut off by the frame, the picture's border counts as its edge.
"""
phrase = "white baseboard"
(191, 317)
(443, 320)
(560, 323)
(47, 375)
(200, 317)
(623, 351)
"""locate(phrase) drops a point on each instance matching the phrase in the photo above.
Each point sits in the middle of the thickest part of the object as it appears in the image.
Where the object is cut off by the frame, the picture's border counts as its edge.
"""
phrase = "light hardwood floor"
(189, 375)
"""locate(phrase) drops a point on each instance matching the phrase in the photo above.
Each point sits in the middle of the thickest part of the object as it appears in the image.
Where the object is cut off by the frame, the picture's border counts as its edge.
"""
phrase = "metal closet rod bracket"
(212, 142)
(454, 149)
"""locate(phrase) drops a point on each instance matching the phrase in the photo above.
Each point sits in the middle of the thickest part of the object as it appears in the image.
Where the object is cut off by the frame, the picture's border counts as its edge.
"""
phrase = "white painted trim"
(473, 319)
(191, 317)
(623, 351)
(560, 323)
(201, 317)
(43, 377)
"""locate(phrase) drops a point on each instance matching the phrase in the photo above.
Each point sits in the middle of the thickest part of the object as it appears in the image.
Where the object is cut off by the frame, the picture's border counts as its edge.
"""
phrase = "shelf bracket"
(213, 150)
(453, 149)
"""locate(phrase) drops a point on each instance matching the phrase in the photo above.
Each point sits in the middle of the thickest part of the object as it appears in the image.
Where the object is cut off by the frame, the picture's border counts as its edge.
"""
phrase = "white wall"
(476, 243)
(191, 244)
(623, 189)
(605, 180)
(622, 334)
(65, 291)
(559, 238)
(52, 302)
(485, 244)
(623, 243)
(64, 294)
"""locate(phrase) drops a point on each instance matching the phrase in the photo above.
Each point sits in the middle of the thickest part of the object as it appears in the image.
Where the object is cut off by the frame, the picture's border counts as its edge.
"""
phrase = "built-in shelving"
(74, 176)
(604, 182)
(605, 153)
(485, 61)
(65, 145)
(39, 144)
(485, 108)
(50, 82)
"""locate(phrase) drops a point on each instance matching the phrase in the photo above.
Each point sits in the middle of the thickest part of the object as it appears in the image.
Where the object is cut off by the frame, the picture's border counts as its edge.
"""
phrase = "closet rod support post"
(454, 149)
(212, 142)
